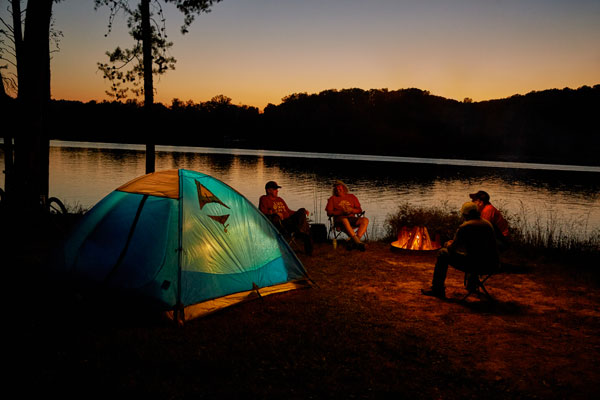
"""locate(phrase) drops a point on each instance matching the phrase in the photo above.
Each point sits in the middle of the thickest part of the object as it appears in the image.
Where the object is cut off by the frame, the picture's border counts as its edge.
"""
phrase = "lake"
(82, 173)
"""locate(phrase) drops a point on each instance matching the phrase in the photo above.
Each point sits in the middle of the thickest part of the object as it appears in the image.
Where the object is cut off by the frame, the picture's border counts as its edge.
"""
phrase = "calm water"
(82, 173)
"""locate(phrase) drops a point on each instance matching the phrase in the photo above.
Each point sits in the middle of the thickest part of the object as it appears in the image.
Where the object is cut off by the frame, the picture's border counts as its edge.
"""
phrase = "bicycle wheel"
(55, 206)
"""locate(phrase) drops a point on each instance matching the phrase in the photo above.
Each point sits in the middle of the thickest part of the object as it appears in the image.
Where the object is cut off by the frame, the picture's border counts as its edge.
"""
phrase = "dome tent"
(184, 240)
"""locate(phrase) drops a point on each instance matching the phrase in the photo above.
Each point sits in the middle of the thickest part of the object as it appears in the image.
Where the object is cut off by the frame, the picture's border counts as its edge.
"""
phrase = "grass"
(550, 231)
(530, 231)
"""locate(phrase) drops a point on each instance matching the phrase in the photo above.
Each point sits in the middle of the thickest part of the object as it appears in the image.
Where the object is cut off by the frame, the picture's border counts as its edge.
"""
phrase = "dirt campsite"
(363, 330)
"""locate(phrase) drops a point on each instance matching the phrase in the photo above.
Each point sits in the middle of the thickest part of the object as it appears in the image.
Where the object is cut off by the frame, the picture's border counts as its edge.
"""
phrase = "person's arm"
(357, 207)
(456, 241)
(351, 206)
(264, 206)
(330, 208)
(502, 224)
(288, 211)
(493, 215)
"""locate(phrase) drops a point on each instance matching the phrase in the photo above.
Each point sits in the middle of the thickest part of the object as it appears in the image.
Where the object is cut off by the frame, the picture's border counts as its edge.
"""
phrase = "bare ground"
(362, 331)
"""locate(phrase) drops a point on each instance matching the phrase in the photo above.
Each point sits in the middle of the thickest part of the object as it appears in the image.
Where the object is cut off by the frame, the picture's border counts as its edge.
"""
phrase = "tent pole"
(179, 309)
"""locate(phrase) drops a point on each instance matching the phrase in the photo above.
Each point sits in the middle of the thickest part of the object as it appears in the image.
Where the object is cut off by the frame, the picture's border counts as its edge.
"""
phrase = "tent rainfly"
(185, 241)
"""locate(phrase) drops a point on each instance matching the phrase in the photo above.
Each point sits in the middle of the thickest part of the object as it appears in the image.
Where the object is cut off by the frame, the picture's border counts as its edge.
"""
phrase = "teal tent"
(183, 240)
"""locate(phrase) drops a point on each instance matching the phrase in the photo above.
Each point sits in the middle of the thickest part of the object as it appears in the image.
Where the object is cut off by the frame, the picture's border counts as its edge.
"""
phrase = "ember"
(416, 238)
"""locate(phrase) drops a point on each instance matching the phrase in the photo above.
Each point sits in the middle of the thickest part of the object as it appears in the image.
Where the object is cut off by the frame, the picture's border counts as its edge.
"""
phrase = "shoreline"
(331, 156)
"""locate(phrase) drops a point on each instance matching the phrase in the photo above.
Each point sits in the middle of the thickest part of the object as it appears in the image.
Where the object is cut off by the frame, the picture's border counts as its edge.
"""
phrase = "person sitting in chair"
(288, 222)
(473, 249)
(492, 214)
(344, 207)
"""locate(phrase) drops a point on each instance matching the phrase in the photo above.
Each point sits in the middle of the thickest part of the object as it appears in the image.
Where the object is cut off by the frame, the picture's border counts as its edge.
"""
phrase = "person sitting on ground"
(494, 216)
(288, 222)
(473, 249)
(344, 207)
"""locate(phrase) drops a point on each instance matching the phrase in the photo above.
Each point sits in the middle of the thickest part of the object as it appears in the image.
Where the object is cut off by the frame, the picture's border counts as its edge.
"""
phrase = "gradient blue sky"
(258, 51)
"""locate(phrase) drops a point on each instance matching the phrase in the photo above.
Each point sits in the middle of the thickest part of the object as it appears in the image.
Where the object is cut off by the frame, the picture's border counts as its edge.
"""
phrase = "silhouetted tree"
(25, 47)
(32, 143)
(11, 52)
(28, 51)
(150, 49)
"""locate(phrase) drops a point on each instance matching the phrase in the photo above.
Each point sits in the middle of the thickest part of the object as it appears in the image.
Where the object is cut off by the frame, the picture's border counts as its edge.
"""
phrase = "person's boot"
(349, 245)
(440, 293)
(358, 244)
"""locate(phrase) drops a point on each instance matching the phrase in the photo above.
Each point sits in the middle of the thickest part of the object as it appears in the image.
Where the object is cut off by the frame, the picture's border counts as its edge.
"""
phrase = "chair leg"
(484, 290)
(470, 286)
(293, 243)
(475, 285)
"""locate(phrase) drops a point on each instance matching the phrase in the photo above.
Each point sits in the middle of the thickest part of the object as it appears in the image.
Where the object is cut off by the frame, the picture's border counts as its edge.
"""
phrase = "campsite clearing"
(363, 331)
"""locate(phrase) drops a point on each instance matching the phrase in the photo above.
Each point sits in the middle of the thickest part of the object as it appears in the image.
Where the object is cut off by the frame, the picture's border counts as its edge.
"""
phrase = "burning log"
(416, 238)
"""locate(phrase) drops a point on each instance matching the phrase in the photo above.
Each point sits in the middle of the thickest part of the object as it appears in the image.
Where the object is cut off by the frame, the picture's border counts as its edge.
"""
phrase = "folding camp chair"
(335, 231)
(292, 238)
(475, 283)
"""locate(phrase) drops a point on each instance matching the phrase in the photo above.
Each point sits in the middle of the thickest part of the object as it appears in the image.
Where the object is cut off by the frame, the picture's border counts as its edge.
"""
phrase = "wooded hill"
(551, 126)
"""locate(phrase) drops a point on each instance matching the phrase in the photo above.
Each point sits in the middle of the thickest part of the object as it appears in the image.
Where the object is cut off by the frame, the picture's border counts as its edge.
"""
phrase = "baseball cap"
(481, 195)
(272, 185)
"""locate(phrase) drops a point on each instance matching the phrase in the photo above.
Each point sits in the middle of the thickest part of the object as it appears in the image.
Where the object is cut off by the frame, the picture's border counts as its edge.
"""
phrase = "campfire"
(415, 239)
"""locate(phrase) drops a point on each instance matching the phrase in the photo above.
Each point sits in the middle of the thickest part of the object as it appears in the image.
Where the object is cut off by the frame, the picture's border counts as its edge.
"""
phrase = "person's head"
(339, 188)
(469, 210)
(480, 198)
(271, 188)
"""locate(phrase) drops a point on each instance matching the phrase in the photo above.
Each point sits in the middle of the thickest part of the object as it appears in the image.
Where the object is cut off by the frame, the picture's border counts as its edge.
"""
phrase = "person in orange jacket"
(494, 216)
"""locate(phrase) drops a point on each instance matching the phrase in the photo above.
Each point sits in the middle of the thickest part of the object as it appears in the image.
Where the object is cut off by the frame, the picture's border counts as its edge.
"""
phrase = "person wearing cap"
(344, 207)
(492, 214)
(473, 248)
(287, 221)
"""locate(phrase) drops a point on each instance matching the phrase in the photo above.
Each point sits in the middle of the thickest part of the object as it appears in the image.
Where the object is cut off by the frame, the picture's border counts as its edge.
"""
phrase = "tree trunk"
(148, 85)
(8, 104)
(31, 142)
(18, 36)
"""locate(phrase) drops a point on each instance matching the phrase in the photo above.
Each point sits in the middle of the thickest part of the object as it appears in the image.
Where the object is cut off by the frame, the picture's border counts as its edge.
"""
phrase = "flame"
(416, 238)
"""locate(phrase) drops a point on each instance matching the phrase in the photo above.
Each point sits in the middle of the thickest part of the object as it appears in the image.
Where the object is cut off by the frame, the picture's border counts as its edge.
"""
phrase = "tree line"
(551, 126)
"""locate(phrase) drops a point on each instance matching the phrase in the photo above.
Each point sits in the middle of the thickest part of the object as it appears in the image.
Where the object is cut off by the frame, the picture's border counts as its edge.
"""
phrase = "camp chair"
(475, 282)
(291, 238)
(335, 231)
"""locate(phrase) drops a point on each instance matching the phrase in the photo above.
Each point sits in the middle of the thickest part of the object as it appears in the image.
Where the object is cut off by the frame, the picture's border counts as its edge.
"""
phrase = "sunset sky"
(258, 51)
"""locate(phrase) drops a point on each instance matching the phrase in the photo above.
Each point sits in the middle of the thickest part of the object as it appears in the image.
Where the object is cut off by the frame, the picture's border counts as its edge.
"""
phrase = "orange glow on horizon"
(257, 54)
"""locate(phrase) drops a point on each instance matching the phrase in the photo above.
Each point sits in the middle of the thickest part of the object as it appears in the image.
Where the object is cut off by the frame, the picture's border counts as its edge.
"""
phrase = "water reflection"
(83, 175)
